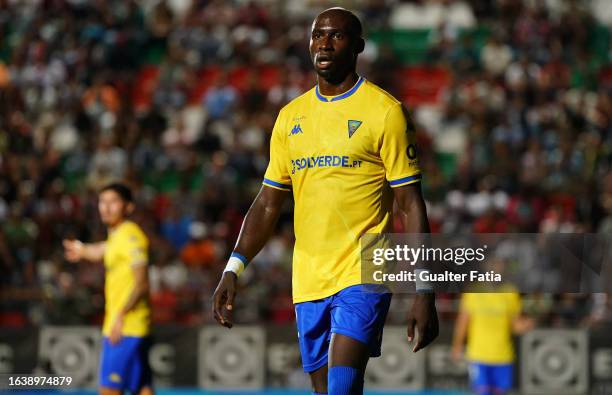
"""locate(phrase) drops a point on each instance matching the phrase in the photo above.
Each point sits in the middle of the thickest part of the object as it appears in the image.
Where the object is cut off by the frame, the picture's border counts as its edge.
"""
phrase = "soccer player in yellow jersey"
(488, 321)
(124, 359)
(345, 150)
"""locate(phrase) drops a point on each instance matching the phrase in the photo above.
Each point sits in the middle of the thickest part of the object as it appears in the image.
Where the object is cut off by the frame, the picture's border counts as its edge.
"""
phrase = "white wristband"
(235, 264)
(422, 286)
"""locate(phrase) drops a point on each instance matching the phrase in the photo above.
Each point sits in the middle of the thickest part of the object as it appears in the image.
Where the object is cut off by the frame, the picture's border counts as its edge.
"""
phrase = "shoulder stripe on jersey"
(404, 180)
(342, 96)
(275, 184)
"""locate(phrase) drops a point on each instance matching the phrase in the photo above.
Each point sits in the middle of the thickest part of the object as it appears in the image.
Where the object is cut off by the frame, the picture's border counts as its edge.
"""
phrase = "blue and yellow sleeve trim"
(269, 183)
(405, 181)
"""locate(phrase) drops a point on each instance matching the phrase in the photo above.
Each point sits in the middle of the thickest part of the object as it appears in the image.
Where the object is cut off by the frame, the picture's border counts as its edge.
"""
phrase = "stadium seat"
(422, 85)
(268, 76)
(410, 46)
(144, 86)
(479, 35)
(605, 76)
(205, 79)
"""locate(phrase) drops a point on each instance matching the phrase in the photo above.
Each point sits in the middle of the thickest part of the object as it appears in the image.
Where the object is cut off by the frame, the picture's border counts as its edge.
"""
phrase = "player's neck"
(115, 226)
(331, 88)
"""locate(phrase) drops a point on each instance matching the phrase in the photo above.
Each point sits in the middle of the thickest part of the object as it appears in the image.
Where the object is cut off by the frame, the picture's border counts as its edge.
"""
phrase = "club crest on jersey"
(353, 125)
(296, 130)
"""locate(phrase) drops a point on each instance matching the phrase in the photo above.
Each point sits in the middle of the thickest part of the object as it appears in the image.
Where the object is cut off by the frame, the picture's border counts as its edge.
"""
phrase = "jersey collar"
(342, 96)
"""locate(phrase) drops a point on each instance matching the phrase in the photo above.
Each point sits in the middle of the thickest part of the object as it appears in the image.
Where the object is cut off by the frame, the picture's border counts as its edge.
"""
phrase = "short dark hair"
(354, 21)
(120, 189)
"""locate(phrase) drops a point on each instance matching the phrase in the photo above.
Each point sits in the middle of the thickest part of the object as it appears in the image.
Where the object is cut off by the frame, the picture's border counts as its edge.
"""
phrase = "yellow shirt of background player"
(340, 156)
(126, 246)
(489, 333)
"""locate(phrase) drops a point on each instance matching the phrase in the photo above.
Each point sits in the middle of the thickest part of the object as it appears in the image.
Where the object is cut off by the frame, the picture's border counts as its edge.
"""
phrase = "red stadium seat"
(268, 76)
(422, 85)
(142, 93)
(605, 76)
(13, 319)
(239, 78)
(205, 79)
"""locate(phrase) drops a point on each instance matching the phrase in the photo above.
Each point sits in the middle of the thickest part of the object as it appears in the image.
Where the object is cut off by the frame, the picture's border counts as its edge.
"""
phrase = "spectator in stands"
(221, 99)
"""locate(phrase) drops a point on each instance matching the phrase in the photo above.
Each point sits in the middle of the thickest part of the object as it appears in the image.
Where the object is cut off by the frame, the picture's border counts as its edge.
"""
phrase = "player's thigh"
(139, 372)
(501, 379)
(113, 365)
(314, 331)
(358, 315)
(480, 378)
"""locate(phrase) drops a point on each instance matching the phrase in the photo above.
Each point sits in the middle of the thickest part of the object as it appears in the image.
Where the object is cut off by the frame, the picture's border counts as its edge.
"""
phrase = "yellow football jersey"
(126, 246)
(340, 156)
(489, 337)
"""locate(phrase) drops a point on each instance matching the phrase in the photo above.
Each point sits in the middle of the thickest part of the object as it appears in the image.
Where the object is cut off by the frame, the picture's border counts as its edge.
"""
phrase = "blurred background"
(512, 100)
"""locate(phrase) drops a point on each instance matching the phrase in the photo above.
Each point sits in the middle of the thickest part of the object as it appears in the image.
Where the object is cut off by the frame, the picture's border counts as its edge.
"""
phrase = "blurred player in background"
(488, 320)
(345, 149)
(124, 360)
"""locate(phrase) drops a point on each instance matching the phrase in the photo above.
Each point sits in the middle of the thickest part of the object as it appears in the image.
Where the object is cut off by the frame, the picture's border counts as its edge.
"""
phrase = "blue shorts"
(125, 365)
(358, 312)
(490, 379)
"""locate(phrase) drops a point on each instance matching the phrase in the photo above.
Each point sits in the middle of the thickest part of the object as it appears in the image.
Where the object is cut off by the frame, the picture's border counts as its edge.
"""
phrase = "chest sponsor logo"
(323, 161)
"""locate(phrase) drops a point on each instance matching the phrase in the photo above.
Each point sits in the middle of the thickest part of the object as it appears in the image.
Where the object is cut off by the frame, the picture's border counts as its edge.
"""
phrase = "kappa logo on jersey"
(353, 125)
(296, 130)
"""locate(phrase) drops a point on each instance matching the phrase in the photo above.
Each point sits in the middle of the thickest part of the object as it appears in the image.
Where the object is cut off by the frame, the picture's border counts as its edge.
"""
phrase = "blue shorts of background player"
(488, 379)
(358, 312)
(125, 365)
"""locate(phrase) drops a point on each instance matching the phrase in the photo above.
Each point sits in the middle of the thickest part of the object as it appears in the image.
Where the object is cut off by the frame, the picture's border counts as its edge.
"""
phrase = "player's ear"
(129, 209)
(360, 45)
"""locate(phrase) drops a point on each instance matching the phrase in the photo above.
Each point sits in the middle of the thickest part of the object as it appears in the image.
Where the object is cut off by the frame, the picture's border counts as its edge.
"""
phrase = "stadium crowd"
(512, 102)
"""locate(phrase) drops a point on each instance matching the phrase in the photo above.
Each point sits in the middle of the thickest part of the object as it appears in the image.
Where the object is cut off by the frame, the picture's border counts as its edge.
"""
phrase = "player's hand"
(223, 299)
(424, 316)
(73, 250)
(115, 335)
(457, 353)
(522, 324)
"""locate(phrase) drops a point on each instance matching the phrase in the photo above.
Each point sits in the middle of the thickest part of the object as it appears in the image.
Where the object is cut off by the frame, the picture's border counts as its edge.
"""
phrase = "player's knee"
(146, 391)
(345, 380)
(318, 379)
(109, 391)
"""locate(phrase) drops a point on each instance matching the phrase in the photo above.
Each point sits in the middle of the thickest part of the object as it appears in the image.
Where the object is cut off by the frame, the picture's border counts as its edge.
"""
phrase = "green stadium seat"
(410, 46)
(479, 35)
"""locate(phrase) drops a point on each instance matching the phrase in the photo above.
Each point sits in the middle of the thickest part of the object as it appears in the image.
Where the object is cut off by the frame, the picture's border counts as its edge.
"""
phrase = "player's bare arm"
(256, 229)
(75, 251)
(522, 324)
(459, 335)
(139, 292)
(423, 313)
